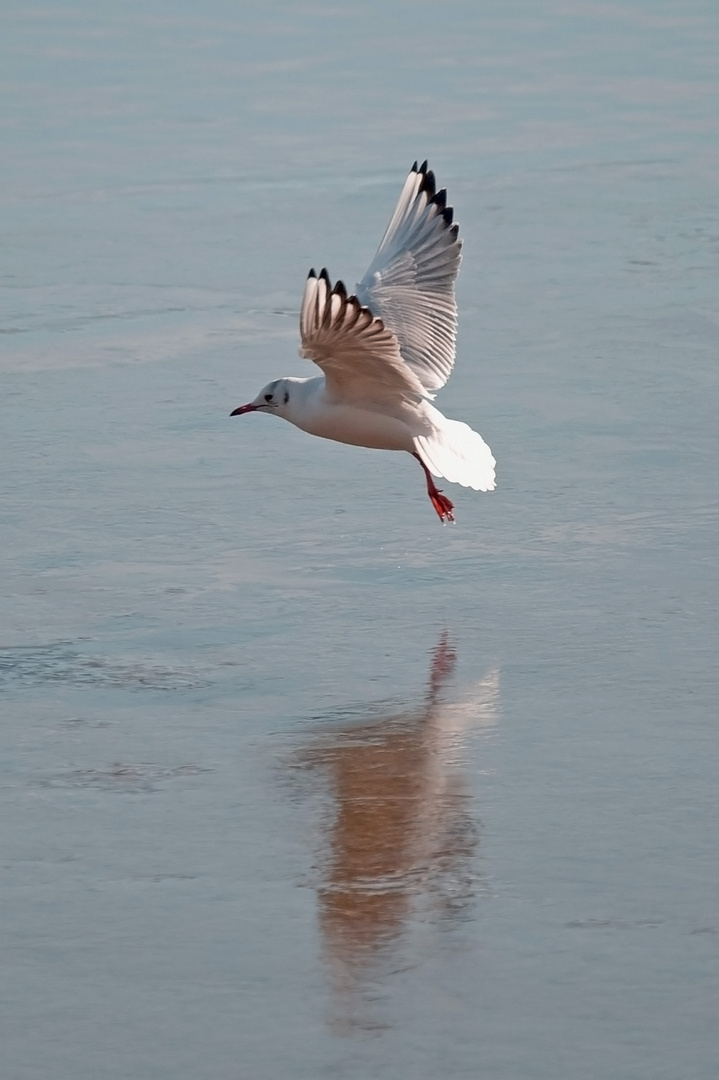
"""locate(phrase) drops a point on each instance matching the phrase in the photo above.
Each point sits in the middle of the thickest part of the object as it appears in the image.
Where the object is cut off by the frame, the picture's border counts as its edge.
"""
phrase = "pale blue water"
(295, 782)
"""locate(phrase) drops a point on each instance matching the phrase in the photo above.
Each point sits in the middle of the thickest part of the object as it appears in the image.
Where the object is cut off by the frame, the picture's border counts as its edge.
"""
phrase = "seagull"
(384, 350)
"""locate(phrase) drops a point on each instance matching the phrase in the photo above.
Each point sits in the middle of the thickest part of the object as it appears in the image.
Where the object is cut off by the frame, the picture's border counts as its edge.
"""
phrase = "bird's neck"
(305, 396)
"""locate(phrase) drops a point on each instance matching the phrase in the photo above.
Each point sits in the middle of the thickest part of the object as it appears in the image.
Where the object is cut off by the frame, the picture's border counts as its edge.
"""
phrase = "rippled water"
(295, 782)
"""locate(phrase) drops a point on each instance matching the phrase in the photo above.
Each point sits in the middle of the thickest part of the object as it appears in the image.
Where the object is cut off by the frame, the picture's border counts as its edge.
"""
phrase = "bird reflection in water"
(402, 838)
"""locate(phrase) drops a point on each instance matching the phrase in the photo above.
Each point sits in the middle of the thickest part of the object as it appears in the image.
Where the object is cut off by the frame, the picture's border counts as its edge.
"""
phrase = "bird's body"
(386, 349)
(310, 408)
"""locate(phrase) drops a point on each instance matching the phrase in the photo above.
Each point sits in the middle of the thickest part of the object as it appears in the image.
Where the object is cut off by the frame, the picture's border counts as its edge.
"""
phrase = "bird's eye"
(268, 397)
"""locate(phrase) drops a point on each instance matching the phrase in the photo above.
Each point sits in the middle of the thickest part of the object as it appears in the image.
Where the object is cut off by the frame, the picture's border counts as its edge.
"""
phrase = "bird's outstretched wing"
(358, 354)
(410, 283)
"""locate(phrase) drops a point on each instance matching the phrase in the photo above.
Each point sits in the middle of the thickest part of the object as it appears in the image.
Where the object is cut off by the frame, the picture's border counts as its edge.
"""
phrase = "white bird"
(386, 349)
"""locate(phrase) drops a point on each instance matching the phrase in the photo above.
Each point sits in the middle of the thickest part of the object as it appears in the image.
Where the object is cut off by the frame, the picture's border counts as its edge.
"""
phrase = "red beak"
(243, 409)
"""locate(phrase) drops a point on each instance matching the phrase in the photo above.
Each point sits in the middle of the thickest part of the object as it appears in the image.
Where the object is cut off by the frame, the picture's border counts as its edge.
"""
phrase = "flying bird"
(384, 350)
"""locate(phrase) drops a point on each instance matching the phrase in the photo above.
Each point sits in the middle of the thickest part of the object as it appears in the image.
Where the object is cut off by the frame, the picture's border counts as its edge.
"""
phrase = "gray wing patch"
(410, 282)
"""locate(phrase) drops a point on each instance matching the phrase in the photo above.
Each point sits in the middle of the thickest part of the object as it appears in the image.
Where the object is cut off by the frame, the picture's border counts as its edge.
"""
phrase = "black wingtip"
(414, 168)
(447, 212)
(423, 166)
(312, 273)
(325, 277)
(340, 290)
(428, 183)
(440, 199)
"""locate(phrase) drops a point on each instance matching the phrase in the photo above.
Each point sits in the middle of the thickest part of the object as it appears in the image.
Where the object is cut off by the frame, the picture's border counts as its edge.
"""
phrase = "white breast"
(348, 424)
(353, 424)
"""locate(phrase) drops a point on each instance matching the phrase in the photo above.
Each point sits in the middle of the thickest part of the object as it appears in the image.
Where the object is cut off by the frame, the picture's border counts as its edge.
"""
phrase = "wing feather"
(410, 282)
(358, 354)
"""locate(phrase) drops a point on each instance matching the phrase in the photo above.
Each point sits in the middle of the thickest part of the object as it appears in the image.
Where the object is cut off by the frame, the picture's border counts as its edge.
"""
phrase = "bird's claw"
(443, 506)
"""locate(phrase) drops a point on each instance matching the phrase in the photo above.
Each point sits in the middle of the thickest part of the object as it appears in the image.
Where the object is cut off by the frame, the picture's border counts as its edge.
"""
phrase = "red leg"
(440, 502)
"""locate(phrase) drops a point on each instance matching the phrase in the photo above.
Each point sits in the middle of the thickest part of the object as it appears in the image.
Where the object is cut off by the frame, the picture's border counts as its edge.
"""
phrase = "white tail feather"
(457, 453)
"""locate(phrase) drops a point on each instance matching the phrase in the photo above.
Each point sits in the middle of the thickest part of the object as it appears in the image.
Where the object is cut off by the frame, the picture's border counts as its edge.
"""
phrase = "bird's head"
(273, 398)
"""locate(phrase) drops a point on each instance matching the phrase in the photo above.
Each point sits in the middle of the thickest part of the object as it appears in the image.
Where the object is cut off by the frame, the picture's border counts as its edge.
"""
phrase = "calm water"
(295, 782)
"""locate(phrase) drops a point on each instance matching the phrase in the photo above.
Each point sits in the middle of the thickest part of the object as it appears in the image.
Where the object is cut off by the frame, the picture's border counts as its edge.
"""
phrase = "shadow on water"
(399, 833)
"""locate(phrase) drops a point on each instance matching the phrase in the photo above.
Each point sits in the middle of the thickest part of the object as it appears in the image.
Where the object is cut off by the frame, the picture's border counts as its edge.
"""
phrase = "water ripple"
(61, 663)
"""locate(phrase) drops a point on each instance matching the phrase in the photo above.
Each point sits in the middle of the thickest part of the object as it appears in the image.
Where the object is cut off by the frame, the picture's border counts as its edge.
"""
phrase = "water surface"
(296, 782)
